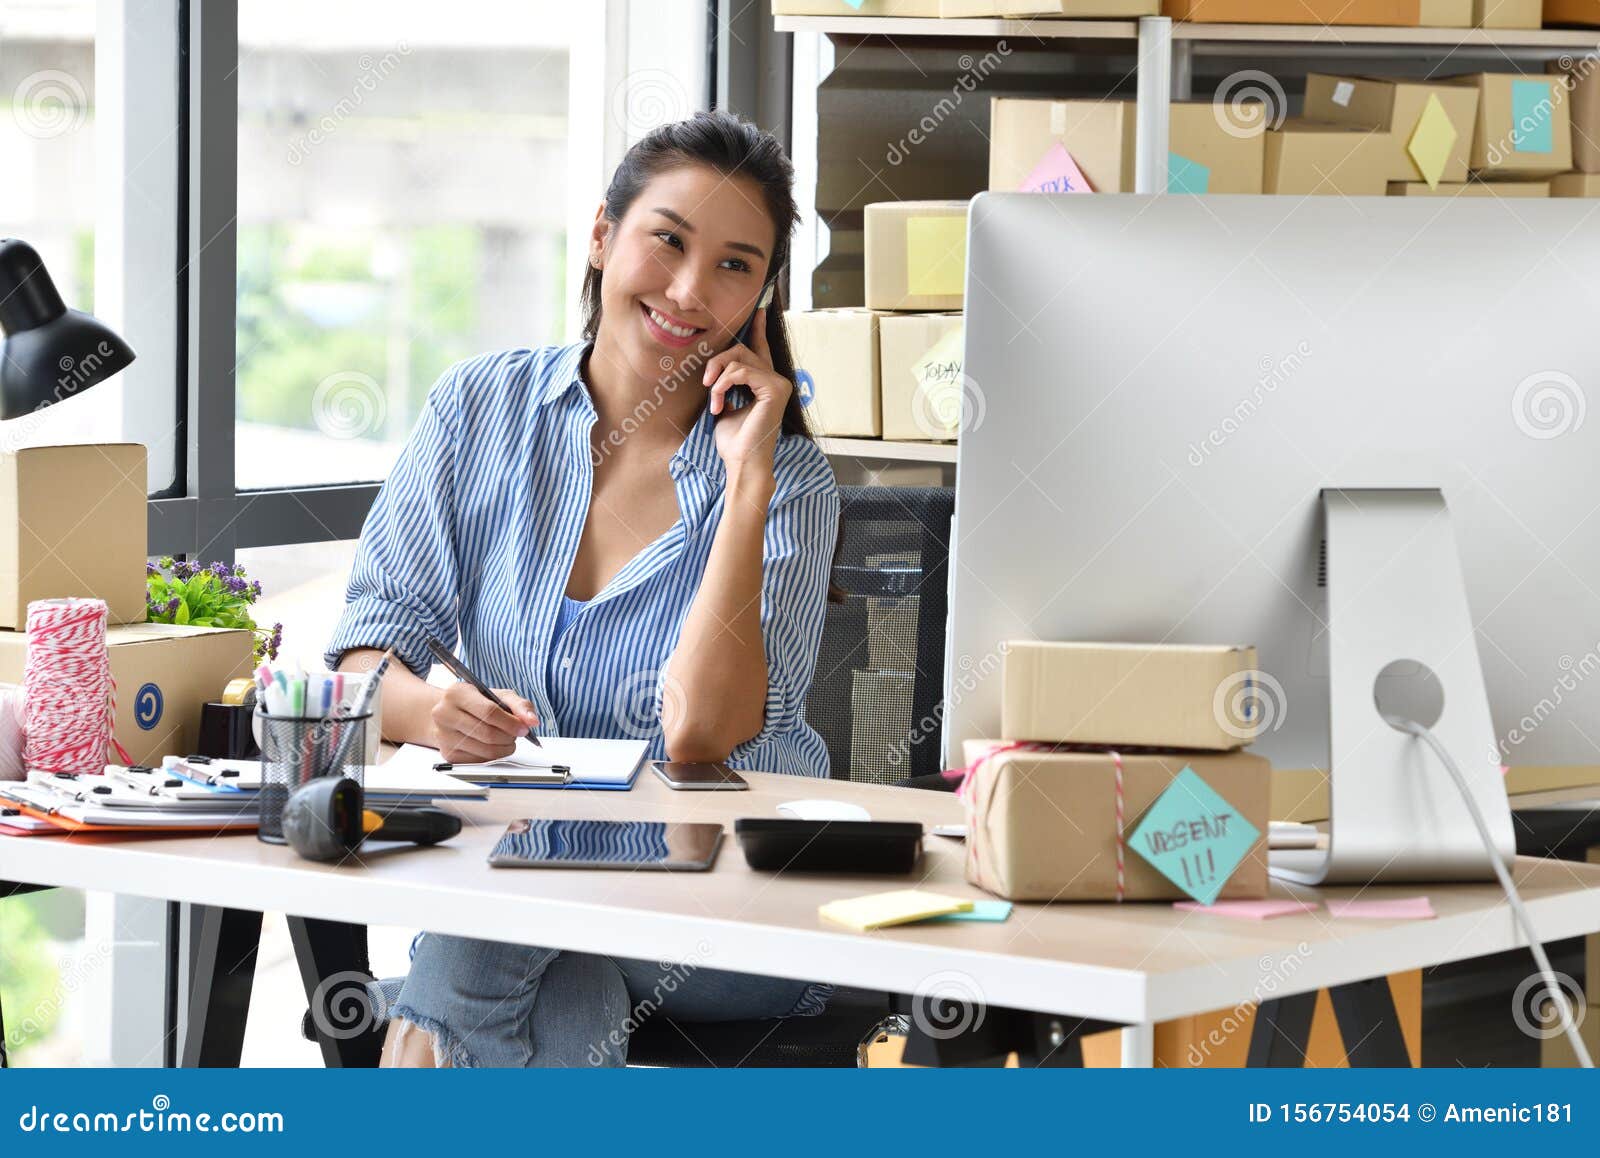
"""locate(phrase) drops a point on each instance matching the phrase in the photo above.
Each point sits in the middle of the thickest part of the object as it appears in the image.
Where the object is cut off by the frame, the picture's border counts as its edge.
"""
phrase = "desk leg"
(334, 970)
(1369, 1024)
(1281, 1033)
(1139, 1046)
(224, 974)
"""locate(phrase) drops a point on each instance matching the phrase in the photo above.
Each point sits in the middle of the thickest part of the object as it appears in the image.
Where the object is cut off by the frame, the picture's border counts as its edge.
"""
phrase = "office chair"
(873, 699)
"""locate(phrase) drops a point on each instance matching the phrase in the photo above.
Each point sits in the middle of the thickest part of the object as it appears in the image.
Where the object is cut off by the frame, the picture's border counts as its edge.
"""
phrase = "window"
(402, 205)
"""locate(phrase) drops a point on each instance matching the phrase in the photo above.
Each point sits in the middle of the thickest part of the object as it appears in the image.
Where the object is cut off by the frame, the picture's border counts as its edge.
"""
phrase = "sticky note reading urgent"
(1532, 107)
(1431, 141)
(1193, 837)
(936, 254)
(1186, 176)
(1056, 172)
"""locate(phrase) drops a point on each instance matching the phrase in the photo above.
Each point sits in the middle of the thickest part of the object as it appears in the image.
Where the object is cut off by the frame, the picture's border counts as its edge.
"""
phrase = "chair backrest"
(877, 694)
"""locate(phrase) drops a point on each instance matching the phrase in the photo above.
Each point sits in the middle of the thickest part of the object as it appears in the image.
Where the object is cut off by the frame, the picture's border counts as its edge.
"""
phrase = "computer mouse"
(823, 810)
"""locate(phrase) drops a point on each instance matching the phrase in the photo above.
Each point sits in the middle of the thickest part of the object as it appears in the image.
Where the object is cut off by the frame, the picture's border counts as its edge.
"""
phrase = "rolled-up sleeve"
(403, 585)
(797, 554)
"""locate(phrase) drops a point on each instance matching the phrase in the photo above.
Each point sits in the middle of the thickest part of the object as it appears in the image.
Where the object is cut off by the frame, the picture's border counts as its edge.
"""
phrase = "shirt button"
(566, 663)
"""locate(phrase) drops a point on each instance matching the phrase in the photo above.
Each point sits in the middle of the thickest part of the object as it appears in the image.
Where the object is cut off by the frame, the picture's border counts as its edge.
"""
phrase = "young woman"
(625, 549)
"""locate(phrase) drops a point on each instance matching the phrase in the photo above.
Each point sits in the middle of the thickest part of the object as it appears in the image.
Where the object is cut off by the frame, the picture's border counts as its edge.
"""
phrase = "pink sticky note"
(1057, 172)
(1400, 909)
(1246, 910)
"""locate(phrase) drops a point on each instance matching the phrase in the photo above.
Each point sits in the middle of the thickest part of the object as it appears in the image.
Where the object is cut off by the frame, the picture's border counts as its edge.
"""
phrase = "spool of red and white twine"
(69, 694)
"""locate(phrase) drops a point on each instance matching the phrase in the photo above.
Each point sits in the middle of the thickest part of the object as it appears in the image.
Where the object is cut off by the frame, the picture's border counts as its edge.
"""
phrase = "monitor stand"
(1395, 593)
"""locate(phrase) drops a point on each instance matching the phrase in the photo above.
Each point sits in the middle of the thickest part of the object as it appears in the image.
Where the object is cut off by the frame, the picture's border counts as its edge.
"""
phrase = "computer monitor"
(1196, 419)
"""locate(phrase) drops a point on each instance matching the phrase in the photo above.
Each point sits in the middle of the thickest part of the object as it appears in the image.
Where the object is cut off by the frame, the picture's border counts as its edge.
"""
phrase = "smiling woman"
(631, 536)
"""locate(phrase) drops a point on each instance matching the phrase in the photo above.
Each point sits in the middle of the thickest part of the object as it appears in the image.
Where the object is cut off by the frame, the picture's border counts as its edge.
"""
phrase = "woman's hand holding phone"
(747, 436)
(471, 729)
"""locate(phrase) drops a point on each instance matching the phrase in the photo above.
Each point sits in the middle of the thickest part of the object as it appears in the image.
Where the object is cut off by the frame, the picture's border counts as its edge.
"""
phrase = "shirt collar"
(699, 449)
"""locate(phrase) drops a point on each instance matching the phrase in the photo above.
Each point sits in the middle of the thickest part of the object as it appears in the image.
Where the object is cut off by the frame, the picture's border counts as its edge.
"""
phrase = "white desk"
(1132, 963)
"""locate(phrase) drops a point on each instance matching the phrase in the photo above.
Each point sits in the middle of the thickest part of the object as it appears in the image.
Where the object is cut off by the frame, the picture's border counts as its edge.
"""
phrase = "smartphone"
(746, 332)
(700, 777)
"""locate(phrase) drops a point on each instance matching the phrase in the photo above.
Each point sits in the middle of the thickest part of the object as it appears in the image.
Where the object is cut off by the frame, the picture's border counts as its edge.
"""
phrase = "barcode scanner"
(327, 819)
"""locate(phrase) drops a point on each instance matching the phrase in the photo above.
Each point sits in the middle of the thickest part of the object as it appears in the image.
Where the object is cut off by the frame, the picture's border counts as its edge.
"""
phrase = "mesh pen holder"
(295, 750)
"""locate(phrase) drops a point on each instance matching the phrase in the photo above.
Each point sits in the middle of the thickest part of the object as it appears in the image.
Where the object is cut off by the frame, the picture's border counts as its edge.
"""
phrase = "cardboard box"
(836, 370)
(1041, 825)
(1524, 125)
(1583, 104)
(1585, 13)
(164, 673)
(916, 255)
(1446, 14)
(1132, 694)
(924, 398)
(1229, 148)
(1404, 13)
(1312, 157)
(1099, 135)
(1069, 9)
(73, 522)
(1517, 189)
(1396, 107)
(1574, 185)
(1507, 13)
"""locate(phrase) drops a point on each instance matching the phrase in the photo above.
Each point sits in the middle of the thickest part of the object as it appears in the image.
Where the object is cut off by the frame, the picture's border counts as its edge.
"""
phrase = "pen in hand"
(462, 672)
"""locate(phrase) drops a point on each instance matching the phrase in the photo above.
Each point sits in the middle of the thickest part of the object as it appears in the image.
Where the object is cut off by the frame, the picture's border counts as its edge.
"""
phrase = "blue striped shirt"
(472, 538)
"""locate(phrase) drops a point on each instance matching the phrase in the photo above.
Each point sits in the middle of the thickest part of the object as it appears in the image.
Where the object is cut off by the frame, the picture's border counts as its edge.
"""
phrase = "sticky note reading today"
(1532, 108)
(936, 254)
(1193, 837)
(1431, 141)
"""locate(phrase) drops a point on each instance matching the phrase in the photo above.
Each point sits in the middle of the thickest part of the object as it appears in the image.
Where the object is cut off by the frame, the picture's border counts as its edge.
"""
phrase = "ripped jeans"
(492, 1004)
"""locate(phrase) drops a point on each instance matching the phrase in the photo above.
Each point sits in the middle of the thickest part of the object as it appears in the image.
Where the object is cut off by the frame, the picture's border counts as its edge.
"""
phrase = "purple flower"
(151, 569)
(173, 604)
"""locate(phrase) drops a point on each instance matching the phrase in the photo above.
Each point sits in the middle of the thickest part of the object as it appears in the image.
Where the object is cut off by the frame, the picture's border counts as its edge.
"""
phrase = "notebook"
(393, 780)
(601, 764)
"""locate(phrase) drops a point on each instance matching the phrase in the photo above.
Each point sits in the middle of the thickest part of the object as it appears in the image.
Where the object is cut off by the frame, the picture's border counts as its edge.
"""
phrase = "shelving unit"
(873, 449)
(1166, 51)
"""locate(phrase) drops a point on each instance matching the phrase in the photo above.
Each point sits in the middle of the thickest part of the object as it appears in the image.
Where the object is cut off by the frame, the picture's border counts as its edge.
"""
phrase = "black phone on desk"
(700, 777)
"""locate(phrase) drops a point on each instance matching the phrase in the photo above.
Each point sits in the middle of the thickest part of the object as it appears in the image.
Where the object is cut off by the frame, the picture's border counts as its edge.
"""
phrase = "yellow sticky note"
(898, 907)
(1431, 141)
(936, 254)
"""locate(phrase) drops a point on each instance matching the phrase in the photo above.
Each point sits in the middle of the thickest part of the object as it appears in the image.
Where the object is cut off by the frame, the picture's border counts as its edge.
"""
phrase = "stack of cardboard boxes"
(73, 523)
(893, 368)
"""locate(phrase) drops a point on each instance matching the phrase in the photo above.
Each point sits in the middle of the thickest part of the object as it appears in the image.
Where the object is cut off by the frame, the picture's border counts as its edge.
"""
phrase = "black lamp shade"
(49, 352)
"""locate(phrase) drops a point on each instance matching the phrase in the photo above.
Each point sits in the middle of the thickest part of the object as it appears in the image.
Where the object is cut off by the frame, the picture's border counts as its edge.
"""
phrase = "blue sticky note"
(1193, 837)
(981, 911)
(1532, 110)
(1186, 176)
(856, 4)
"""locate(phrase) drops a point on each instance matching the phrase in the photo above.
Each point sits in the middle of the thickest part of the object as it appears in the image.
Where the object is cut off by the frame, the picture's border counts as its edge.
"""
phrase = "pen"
(361, 707)
(460, 671)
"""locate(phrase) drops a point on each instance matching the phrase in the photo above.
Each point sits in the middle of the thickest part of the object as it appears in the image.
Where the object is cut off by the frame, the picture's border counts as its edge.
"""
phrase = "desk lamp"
(49, 353)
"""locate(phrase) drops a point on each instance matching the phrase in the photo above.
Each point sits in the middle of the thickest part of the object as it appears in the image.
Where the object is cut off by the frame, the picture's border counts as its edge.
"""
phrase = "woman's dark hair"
(733, 147)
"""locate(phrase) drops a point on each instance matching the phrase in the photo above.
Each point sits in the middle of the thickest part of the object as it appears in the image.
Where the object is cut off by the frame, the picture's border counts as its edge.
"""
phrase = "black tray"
(830, 846)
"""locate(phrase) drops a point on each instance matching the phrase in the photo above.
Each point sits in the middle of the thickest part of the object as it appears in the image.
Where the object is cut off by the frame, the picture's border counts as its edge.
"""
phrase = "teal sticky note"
(856, 4)
(1193, 837)
(1532, 110)
(981, 911)
(1186, 176)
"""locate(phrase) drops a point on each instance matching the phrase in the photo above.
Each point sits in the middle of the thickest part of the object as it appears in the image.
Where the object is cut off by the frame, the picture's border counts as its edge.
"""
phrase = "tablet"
(607, 844)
